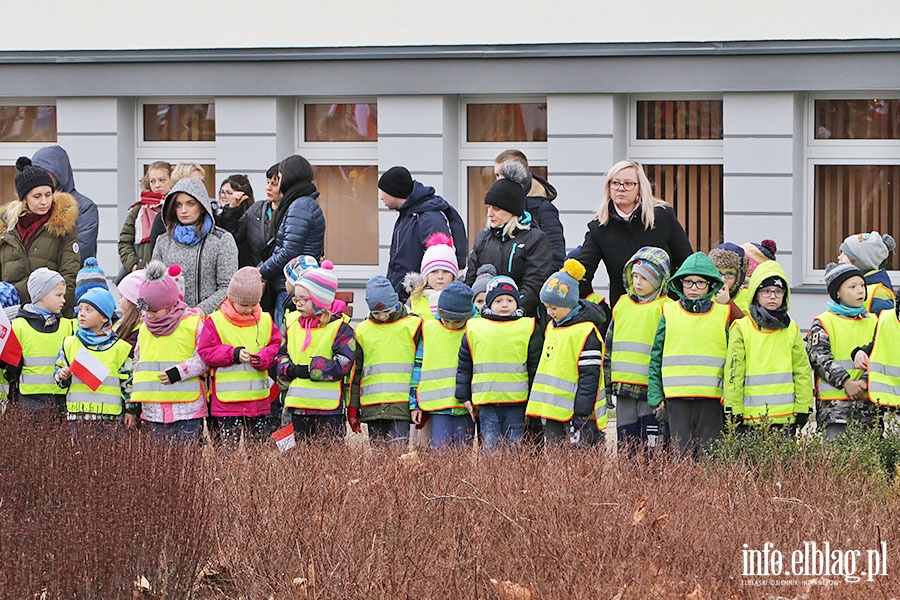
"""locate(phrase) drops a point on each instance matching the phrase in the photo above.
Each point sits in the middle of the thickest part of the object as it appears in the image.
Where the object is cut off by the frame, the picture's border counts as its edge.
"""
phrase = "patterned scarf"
(29, 225)
(151, 203)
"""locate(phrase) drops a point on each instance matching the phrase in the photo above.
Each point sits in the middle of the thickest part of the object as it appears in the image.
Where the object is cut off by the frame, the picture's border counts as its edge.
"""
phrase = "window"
(179, 122)
(347, 194)
(27, 123)
(479, 180)
(7, 185)
(853, 174)
(524, 122)
(679, 142)
(341, 122)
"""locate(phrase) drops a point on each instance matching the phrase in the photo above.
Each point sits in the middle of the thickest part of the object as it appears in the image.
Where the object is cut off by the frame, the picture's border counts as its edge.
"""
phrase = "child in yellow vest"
(316, 357)
(498, 358)
(434, 377)
(767, 374)
(41, 329)
(687, 361)
(479, 287)
(842, 398)
(568, 395)
(95, 336)
(168, 370)
(241, 342)
(439, 269)
(385, 357)
(868, 252)
(882, 359)
(628, 343)
(9, 303)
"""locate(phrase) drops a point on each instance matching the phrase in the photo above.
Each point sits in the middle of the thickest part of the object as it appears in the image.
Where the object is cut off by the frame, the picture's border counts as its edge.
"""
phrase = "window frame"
(832, 147)
(176, 146)
(685, 151)
(300, 120)
(11, 151)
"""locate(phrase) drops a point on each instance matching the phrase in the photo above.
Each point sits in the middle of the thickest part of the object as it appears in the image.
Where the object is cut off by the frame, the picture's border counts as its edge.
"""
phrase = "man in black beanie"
(421, 213)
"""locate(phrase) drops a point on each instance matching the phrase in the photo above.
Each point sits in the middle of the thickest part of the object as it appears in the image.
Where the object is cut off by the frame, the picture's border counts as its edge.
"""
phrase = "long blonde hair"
(648, 202)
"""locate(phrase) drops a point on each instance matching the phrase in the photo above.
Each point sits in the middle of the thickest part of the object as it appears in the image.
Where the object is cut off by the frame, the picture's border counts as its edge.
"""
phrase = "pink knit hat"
(130, 286)
(246, 286)
(159, 290)
(439, 254)
(321, 283)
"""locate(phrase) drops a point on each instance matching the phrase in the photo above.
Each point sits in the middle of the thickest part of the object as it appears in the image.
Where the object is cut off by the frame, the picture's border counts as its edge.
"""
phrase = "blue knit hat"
(101, 299)
(9, 295)
(500, 286)
(455, 302)
(561, 289)
(89, 277)
(380, 294)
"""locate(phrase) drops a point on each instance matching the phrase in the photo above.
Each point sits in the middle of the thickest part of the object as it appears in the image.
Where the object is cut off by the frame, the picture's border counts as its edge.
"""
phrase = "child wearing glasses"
(732, 263)
(767, 374)
(687, 362)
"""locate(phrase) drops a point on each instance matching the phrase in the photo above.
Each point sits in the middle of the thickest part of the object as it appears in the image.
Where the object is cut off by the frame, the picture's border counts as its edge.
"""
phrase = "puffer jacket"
(55, 247)
(300, 232)
(253, 233)
(545, 216)
(207, 266)
(527, 258)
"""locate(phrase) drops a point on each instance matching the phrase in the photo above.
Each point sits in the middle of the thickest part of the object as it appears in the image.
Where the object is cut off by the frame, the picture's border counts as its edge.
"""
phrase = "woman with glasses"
(235, 197)
(629, 218)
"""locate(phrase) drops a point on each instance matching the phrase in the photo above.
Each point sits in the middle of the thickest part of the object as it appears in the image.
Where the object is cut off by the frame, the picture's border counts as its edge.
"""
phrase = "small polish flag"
(284, 438)
(10, 348)
(89, 369)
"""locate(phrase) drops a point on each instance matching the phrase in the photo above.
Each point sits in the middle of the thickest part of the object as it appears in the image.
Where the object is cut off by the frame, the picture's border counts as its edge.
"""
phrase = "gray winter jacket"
(207, 266)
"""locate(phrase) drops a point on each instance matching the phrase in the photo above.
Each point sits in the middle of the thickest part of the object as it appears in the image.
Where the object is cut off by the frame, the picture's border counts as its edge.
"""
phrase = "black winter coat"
(300, 232)
(545, 216)
(253, 234)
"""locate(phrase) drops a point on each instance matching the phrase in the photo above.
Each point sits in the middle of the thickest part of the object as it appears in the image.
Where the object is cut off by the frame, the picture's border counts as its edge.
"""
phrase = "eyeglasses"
(772, 292)
(700, 285)
(300, 301)
(226, 193)
(626, 185)
(728, 274)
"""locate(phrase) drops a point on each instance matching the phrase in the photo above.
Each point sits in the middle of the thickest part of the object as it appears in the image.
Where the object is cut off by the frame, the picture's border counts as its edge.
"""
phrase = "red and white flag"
(10, 348)
(89, 369)
(284, 438)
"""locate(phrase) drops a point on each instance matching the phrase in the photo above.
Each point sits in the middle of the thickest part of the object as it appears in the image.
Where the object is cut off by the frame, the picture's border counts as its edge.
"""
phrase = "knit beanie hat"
(130, 286)
(322, 284)
(868, 250)
(159, 289)
(759, 253)
(773, 281)
(380, 294)
(499, 286)
(101, 299)
(41, 281)
(731, 257)
(836, 274)
(397, 182)
(9, 295)
(439, 254)
(508, 195)
(482, 276)
(90, 276)
(455, 302)
(294, 268)
(246, 286)
(30, 177)
(561, 289)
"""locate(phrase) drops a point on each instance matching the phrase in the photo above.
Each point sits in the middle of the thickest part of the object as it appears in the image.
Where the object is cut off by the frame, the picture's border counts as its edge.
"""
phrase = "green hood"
(700, 265)
(770, 268)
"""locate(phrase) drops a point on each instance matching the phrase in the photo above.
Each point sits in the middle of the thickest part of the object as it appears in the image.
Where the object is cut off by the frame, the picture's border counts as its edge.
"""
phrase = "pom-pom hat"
(321, 283)
(439, 254)
(90, 276)
(29, 177)
(159, 290)
(561, 289)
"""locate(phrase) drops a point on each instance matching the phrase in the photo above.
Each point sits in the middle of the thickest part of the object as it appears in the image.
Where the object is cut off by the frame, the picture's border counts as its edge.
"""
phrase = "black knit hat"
(397, 182)
(30, 177)
(508, 195)
(836, 274)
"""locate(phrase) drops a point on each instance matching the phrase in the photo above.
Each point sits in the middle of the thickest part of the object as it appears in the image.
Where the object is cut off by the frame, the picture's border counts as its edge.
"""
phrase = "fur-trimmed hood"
(63, 214)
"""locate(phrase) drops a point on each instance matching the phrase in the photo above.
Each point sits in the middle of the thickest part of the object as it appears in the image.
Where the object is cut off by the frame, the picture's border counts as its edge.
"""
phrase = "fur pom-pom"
(22, 162)
(327, 265)
(889, 242)
(411, 280)
(514, 171)
(487, 269)
(574, 268)
(439, 238)
(155, 270)
(770, 246)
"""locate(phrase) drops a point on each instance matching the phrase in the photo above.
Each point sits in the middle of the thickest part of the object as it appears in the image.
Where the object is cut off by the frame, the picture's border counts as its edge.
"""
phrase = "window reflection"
(341, 122)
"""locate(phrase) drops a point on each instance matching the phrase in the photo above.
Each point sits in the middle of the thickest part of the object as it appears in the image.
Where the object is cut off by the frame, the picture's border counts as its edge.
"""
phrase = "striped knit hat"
(439, 254)
(90, 276)
(321, 283)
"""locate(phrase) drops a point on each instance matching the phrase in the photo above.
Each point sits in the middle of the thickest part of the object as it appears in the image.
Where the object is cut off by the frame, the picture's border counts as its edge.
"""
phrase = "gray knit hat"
(836, 274)
(868, 250)
(41, 281)
(455, 302)
(380, 294)
(484, 274)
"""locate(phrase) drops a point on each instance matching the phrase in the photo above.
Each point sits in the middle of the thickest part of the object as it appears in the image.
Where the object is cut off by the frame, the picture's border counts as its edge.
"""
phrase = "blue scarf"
(187, 234)
(89, 338)
(845, 311)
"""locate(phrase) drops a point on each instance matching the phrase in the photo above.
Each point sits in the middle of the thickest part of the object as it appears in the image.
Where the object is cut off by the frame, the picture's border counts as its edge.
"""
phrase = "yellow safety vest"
(884, 364)
(595, 298)
(158, 354)
(878, 291)
(693, 363)
(634, 329)
(768, 372)
(242, 382)
(39, 352)
(389, 354)
(499, 352)
(742, 299)
(440, 357)
(422, 307)
(107, 399)
(556, 381)
(845, 335)
(306, 393)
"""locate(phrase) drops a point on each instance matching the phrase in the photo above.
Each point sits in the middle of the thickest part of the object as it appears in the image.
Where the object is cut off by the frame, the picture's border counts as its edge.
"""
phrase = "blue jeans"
(280, 299)
(501, 422)
(186, 432)
(449, 430)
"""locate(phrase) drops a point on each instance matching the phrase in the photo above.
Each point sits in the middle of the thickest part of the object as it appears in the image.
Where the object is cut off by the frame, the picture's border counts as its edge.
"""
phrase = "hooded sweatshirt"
(55, 160)
(207, 265)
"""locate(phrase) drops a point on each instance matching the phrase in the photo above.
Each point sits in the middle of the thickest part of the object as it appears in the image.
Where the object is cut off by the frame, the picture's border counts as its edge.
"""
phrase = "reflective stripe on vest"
(306, 393)
(440, 357)
(768, 372)
(39, 352)
(242, 382)
(499, 351)
(158, 354)
(634, 328)
(844, 335)
(556, 381)
(884, 364)
(389, 353)
(693, 362)
(107, 399)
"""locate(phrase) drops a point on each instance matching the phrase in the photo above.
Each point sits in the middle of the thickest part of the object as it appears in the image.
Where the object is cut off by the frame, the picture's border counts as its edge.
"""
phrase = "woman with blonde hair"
(629, 217)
